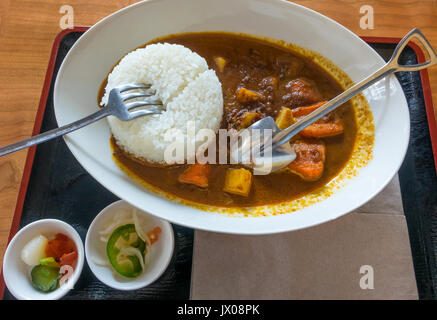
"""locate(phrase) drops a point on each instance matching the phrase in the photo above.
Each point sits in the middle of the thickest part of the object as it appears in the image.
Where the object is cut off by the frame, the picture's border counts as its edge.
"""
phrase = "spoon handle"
(391, 67)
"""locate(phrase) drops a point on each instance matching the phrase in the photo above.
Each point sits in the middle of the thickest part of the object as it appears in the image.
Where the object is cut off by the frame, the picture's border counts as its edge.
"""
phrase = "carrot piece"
(321, 130)
(247, 96)
(328, 126)
(196, 174)
(310, 159)
(68, 259)
(304, 111)
(153, 234)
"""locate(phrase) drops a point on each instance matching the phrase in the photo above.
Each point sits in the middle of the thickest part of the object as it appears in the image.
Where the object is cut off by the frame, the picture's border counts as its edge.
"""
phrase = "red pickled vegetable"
(68, 259)
(59, 246)
(153, 234)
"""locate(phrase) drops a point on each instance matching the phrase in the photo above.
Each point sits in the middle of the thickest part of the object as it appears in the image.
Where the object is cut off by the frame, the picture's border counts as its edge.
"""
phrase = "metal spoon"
(276, 152)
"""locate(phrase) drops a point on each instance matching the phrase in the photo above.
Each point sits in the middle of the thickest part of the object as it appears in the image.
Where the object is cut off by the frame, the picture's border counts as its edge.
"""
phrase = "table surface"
(28, 27)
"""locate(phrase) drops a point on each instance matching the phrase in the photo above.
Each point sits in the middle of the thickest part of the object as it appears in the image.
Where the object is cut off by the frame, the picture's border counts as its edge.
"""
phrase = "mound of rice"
(188, 89)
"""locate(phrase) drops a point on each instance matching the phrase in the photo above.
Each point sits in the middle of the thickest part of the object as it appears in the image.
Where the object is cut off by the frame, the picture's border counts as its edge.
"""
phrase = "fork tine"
(138, 104)
(147, 93)
(140, 113)
(133, 86)
(119, 106)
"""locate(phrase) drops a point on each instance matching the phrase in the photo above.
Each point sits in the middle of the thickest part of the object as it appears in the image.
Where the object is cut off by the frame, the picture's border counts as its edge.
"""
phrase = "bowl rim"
(61, 291)
(140, 284)
(278, 228)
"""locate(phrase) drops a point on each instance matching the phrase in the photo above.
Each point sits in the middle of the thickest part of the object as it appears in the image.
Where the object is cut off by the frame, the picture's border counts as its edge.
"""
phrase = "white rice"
(187, 88)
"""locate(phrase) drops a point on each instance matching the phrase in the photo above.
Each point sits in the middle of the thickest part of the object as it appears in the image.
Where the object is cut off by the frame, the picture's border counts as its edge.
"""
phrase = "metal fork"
(118, 105)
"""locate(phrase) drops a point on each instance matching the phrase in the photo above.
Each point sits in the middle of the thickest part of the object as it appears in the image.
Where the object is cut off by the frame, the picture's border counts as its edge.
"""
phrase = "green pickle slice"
(45, 278)
(119, 251)
(49, 262)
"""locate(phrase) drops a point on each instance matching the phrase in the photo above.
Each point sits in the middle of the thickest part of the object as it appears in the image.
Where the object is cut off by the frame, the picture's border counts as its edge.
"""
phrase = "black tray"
(60, 188)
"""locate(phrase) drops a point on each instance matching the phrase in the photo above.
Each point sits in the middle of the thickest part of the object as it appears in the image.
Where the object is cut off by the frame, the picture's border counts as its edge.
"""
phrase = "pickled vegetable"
(45, 278)
(59, 246)
(153, 234)
(34, 251)
(126, 251)
(68, 259)
(49, 262)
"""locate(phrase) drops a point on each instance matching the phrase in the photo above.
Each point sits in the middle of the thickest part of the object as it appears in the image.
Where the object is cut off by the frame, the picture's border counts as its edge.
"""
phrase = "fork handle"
(51, 134)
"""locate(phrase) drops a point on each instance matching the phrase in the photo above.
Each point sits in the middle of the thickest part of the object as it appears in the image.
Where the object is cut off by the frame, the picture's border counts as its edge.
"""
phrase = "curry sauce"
(283, 78)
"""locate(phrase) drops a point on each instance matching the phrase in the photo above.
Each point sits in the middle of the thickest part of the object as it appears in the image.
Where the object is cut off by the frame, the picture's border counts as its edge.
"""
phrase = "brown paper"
(389, 200)
(321, 262)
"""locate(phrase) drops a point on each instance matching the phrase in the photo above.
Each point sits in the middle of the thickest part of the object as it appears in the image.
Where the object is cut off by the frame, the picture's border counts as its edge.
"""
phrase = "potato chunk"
(248, 96)
(285, 118)
(247, 119)
(221, 63)
(238, 181)
(196, 174)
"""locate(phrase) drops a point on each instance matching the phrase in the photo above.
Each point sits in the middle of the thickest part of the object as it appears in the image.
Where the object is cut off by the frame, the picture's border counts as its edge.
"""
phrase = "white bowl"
(17, 274)
(95, 53)
(160, 255)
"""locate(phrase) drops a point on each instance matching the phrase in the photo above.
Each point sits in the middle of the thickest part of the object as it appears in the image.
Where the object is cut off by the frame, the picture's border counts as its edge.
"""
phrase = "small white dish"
(95, 249)
(17, 274)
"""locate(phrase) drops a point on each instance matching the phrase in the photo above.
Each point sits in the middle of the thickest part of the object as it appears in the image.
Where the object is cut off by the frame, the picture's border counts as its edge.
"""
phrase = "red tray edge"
(45, 92)
(36, 129)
